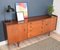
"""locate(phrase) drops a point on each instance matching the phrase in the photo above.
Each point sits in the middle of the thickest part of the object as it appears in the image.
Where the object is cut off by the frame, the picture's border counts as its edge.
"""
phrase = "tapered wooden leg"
(49, 34)
(18, 44)
(9, 47)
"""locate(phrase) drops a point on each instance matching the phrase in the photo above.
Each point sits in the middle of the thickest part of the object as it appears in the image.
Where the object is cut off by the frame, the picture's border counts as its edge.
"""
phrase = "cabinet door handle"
(24, 30)
(30, 23)
(46, 24)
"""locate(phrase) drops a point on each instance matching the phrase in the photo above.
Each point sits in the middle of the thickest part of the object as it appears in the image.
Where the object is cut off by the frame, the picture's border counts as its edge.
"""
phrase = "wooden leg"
(18, 44)
(9, 48)
(49, 34)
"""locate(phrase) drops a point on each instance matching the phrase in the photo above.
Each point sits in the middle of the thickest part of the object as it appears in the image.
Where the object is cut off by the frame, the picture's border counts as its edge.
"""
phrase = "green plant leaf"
(50, 9)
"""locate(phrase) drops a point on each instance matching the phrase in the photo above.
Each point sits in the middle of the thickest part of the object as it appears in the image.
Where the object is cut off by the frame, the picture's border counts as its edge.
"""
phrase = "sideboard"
(31, 27)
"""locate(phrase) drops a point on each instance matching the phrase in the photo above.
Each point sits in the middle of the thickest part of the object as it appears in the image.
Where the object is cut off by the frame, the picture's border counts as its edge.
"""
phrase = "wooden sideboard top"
(33, 18)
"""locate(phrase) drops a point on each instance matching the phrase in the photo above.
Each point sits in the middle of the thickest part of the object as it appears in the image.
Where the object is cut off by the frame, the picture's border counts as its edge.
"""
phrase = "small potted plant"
(50, 10)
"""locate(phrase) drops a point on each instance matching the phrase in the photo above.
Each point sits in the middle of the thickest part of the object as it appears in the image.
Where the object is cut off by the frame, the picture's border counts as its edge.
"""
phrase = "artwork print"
(22, 7)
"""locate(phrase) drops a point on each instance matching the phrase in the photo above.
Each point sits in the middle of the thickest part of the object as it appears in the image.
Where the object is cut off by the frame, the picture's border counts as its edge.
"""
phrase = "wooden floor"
(30, 41)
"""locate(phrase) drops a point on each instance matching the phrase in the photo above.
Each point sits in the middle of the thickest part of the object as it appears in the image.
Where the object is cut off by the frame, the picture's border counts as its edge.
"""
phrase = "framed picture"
(22, 7)
(20, 16)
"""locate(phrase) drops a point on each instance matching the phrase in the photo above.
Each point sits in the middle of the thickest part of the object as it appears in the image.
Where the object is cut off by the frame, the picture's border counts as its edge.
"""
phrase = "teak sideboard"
(33, 26)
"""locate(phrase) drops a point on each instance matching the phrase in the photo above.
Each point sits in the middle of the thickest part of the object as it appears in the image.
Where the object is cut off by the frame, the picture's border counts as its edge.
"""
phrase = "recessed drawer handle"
(30, 30)
(30, 26)
(41, 27)
(41, 31)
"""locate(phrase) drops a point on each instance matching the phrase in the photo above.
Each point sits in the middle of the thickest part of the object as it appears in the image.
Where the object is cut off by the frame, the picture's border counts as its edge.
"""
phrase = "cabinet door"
(46, 26)
(22, 32)
(16, 33)
(34, 28)
(53, 22)
(12, 33)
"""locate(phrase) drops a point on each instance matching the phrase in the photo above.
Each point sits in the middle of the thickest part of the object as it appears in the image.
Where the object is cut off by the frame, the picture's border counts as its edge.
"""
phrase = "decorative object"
(9, 9)
(20, 16)
(50, 10)
(22, 7)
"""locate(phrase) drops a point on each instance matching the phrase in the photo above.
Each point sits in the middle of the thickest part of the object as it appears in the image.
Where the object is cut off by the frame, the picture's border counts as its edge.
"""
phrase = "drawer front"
(54, 19)
(46, 23)
(34, 28)
(33, 33)
(34, 24)
(53, 22)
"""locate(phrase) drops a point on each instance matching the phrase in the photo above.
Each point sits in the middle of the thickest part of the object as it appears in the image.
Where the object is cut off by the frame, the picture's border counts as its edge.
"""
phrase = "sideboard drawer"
(46, 23)
(53, 22)
(35, 28)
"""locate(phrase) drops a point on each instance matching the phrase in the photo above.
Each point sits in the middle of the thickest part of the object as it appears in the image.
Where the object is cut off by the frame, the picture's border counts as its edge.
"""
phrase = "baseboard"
(3, 43)
(56, 33)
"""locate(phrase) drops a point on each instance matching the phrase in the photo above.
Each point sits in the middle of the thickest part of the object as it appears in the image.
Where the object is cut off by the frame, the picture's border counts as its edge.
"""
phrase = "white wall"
(56, 5)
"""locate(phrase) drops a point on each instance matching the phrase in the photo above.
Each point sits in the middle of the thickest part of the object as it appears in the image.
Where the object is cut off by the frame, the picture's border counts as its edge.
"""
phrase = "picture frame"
(22, 6)
(20, 16)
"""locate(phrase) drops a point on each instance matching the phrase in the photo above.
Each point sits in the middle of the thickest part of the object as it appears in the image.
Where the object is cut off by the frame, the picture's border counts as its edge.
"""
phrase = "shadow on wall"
(1, 32)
